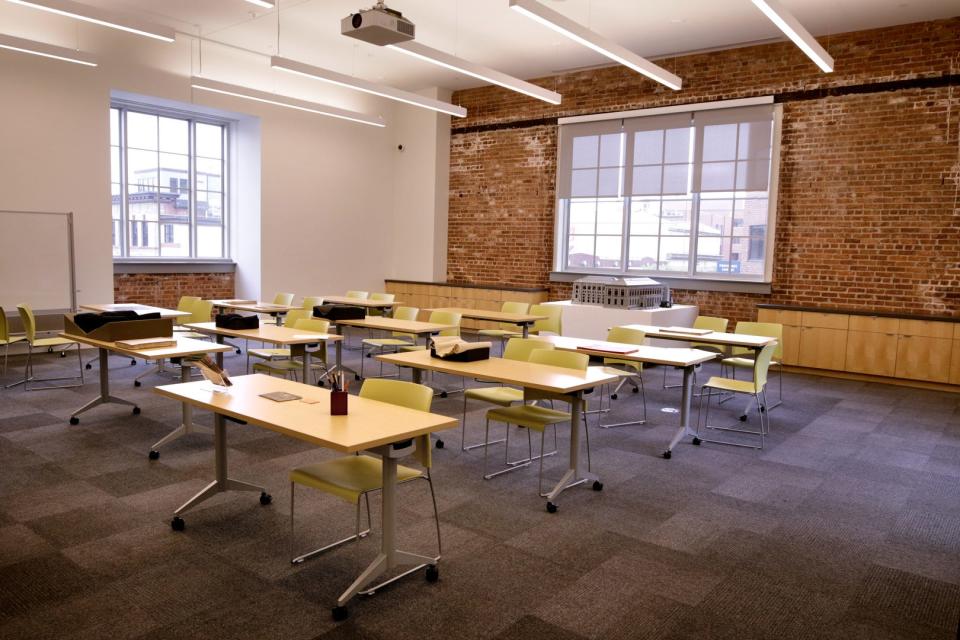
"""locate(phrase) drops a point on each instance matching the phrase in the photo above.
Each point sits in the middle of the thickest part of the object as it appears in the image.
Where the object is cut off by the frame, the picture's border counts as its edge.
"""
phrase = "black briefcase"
(236, 321)
(334, 312)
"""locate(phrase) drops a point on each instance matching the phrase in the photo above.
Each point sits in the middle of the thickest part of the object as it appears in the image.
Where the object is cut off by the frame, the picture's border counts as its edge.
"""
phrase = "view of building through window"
(167, 186)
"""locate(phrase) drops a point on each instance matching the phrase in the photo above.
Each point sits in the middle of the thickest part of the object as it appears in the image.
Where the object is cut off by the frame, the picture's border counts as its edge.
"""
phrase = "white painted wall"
(339, 207)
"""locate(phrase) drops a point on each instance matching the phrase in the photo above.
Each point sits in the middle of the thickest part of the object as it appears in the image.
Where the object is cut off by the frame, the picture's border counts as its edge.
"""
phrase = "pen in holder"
(338, 403)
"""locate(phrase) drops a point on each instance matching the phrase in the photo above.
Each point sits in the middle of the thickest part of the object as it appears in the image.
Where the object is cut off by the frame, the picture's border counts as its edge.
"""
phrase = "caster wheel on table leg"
(63, 354)
(551, 508)
(697, 441)
(136, 383)
(265, 498)
(440, 444)
(239, 352)
(154, 455)
(443, 394)
(88, 366)
(74, 420)
(133, 362)
(433, 573)
(136, 411)
(667, 455)
(177, 524)
(368, 355)
(356, 376)
(743, 418)
(597, 485)
(340, 614)
(613, 396)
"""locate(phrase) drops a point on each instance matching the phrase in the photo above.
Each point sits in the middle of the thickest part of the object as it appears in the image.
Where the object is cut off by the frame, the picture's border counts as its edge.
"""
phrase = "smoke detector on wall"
(378, 25)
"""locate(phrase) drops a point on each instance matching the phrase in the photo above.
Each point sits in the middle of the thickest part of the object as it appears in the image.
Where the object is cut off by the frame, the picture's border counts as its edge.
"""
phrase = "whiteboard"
(36, 260)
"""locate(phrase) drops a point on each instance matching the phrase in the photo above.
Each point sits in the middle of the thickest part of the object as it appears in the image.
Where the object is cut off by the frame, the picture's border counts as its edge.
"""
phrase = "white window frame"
(562, 222)
(193, 118)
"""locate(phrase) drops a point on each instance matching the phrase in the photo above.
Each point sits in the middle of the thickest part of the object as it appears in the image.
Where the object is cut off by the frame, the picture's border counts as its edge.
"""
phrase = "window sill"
(174, 266)
(686, 284)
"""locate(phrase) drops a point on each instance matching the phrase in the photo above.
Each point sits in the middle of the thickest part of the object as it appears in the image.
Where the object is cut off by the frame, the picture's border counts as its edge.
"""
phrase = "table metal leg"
(525, 328)
(574, 475)
(186, 425)
(105, 396)
(684, 410)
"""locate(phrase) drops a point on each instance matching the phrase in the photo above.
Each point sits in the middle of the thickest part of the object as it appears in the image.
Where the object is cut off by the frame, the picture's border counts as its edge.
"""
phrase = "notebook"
(279, 396)
(147, 343)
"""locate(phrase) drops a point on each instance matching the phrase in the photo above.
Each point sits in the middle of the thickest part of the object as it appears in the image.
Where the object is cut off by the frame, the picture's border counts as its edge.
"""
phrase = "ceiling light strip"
(266, 4)
(577, 32)
(46, 50)
(480, 72)
(101, 17)
(282, 101)
(317, 73)
(792, 28)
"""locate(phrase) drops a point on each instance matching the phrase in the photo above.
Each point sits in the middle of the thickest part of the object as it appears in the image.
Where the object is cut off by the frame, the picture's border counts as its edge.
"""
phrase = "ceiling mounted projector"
(378, 25)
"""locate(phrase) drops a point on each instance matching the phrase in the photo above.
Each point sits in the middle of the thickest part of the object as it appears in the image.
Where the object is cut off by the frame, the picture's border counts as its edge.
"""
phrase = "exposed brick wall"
(165, 289)
(868, 205)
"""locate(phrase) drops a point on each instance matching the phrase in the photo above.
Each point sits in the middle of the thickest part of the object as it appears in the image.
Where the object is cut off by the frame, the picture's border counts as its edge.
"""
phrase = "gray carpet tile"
(844, 526)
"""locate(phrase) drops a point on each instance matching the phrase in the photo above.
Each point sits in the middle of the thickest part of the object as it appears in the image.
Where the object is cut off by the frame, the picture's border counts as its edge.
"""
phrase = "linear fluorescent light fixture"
(282, 101)
(578, 33)
(792, 28)
(443, 59)
(266, 4)
(46, 50)
(317, 73)
(99, 16)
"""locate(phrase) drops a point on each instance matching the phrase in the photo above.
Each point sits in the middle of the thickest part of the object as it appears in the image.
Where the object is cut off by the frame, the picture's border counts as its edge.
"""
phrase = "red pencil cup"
(338, 403)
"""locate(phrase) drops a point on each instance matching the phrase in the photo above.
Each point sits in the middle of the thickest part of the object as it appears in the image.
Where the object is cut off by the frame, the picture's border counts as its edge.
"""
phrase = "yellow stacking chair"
(6, 339)
(33, 342)
(350, 477)
(709, 323)
(626, 370)
(551, 324)
(309, 302)
(755, 387)
(290, 367)
(382, 297)
(516, 349)
(359, 295)
(506, 329)
(742, 358)
(280, 353)
(441, 317)
(200, 311)
(536, 418)
(396, 340)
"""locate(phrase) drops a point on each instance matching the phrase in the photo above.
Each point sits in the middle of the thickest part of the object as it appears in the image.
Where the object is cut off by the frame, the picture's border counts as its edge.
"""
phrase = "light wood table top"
(184, 347)
(674, 357)
(524, 374)
(369, 424)
(140, 309)
(266, 333)
(494, 316)
(360, 302)
(392, 324)
(254, 306)
(714, 337)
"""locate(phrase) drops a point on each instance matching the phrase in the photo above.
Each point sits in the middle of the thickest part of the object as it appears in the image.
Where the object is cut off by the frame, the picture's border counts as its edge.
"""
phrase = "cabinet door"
(927, 328)
(791, 345)
(923, 358)
(873, 353)
(955, 363)
(781, 316)
(822, 348)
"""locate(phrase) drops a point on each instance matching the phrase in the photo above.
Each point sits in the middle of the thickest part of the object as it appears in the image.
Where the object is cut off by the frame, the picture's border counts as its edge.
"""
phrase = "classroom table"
(522, 320)
(252, 306)
(686, 359)
(382, 429)
(385, 305)
(417, 328)
(566, 383)
(184, 348)
(296, 339)
(140, 309)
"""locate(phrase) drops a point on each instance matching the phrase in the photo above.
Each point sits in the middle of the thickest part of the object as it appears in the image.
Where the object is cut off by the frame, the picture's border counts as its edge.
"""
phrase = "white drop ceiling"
(484, 31)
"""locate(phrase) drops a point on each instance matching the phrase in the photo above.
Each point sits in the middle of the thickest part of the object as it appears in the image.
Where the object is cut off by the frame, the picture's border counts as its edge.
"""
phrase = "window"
(168, 178)
(677, 194)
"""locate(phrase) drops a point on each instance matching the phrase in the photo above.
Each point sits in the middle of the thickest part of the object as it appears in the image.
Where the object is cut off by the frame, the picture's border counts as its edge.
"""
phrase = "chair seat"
(496, 333)
(743, 363)
(348, 477)
(728, 384)
(530, 416)
(13, 339)
(269, 354)
(504, 396)
(413, 347)
(613, 371)
(192, 334)
(51, 342)
(386, 342)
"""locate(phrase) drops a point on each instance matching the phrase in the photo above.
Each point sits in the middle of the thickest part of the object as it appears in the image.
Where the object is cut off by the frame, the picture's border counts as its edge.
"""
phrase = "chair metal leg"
(357, 535)
(643, 394)
(511, 466)
(28, 376)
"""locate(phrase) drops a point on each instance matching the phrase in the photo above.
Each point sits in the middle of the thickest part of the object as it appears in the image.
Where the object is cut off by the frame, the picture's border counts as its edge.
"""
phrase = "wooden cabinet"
(872, 345)
(823, 348)
(427, 295)
(790, 321)
(955, 362)
(924, 350)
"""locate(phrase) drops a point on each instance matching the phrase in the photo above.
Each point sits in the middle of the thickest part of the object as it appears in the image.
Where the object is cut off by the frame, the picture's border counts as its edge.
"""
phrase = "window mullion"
(192, 177)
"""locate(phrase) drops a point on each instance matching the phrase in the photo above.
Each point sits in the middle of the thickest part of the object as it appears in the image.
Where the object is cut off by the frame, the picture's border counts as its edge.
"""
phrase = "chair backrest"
(552, 322)
(29, 323)
(520, 348)
(710, 323)
(447, 317)
(768, 329)
(186, 304)
(312, 324)
(383, 297)
(201, 310)
(513, 307)
(292, 316)
(625, 335)
(556, 358)
(283, 298)
(4, 327)
(309, 302)
(761, 365)
(404, 394)
(360, 295)
(405, 313)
